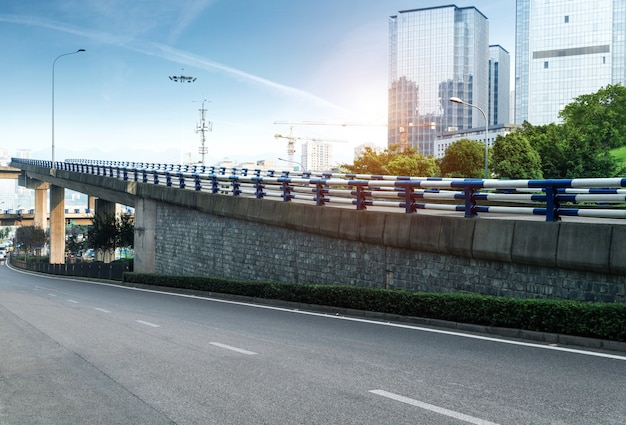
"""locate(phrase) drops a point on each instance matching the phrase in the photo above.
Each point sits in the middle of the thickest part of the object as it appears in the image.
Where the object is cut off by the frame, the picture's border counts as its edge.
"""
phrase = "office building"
(499, 85)
(437, 53)
(317, 156)
(564, 49)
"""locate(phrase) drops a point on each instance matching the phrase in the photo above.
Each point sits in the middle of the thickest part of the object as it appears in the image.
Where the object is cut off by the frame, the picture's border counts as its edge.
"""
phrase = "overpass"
(223, 224)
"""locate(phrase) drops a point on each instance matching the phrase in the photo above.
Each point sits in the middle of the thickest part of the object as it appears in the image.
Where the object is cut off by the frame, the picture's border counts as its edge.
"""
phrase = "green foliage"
(393, 161)
(514, 158)
(594, 320)
(599, 116)
(110, 232)
(30, 237)
(464, 158)
(566, 152)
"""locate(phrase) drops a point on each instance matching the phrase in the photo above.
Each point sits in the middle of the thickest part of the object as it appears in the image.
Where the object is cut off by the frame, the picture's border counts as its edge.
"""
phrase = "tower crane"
(291, 142)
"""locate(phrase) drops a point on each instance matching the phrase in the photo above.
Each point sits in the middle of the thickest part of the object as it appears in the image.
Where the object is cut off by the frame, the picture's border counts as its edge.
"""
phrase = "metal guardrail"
(592, 197)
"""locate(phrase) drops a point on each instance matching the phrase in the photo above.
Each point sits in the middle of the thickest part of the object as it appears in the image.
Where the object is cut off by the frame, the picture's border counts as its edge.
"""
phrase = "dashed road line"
(229, 347)
(101, 310)
(72, 301)
(433, 408)
(143, 322)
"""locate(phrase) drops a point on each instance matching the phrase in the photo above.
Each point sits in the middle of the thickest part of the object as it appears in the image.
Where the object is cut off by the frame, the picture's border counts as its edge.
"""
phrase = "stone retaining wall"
(247, 238)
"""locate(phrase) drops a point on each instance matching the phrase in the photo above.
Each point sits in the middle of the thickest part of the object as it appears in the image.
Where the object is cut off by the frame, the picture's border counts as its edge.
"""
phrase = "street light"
(53, 64)
(457, 100)
(182, 79)
(293, 162)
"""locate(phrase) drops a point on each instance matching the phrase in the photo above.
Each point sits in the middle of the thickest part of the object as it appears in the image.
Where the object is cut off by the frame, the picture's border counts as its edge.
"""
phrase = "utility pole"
(202, 128)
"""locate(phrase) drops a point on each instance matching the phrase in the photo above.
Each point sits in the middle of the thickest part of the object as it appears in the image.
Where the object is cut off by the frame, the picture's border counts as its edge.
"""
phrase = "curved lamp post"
(457, 100)
(53, 64)
(293, 162)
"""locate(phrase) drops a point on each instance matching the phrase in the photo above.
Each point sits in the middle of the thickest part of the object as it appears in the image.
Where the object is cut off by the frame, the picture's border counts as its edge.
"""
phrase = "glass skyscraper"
(564, 49)
(499, 85)
(436, 53)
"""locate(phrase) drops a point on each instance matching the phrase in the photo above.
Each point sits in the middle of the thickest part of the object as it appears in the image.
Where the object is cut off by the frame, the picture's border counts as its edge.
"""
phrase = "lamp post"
(182, 79)
(459, 101)
(53, 64)
(293, 162)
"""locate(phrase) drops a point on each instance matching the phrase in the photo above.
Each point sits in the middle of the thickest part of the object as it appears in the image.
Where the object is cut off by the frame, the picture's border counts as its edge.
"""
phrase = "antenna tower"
(203, 127)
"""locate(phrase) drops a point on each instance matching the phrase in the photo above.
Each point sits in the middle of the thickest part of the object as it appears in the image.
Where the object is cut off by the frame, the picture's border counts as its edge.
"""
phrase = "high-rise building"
(437, 53)
(499, 85)
(564, 49)
(317, 156)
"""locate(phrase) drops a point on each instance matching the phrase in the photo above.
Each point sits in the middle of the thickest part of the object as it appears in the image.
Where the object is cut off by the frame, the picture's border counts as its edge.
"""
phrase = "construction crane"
(291, 142)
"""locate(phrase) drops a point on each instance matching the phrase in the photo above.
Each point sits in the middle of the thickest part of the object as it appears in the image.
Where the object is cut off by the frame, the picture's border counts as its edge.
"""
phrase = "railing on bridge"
(590, 197)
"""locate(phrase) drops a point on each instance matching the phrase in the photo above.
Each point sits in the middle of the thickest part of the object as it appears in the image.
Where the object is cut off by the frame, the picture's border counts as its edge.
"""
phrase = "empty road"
(77, 352)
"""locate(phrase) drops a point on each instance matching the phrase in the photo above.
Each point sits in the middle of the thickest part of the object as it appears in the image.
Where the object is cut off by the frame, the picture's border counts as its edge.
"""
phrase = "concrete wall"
(204, 234)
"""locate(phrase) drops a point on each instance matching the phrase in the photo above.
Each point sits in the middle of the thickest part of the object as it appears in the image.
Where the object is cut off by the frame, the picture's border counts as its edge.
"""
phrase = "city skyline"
(254, 66)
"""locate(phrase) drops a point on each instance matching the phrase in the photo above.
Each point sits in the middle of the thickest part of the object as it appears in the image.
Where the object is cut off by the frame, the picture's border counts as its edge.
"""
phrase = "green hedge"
(594, 320)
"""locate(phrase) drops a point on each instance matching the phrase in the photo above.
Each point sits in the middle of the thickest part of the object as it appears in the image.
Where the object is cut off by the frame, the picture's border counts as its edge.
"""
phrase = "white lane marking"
(148, 324)
(72, 301)
(228, 347)
(102, 310)
(352, 319)
(433, 408)
(52, 295)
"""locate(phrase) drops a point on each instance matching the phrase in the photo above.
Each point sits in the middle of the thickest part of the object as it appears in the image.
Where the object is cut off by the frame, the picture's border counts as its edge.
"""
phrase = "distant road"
(74, 352)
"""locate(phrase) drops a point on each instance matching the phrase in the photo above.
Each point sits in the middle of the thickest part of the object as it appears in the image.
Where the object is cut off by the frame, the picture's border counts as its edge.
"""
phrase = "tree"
(566, 152)
(515, 158)
(109, 233)
(464, 158)
(30, 238)
(599, 116)
(394, 161)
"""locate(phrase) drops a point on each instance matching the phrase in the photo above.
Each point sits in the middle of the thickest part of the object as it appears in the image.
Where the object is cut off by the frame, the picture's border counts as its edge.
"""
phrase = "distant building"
(446, 139)
(437, 53)
(499, 85)
(564, 49)
(317, 156)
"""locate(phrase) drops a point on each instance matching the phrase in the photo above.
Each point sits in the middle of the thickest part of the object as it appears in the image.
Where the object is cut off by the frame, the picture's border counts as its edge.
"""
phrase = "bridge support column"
(145, 236)
(57, 225)
(103, 210)
(40, 219)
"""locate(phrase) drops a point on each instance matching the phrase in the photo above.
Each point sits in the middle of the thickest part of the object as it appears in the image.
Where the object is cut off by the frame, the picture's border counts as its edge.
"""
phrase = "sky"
(255, 63)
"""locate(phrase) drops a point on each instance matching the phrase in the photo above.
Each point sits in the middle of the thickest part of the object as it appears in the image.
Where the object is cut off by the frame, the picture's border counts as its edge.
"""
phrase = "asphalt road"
(76, 352)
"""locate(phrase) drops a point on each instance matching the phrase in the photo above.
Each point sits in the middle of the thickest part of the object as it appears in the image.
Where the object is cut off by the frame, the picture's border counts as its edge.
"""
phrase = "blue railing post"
(360, 197)
(215, 184)
(258, 187)
(286, 189)
(552, 203)
(236, 185)
(144, 175)
(409, 199)
(155, 176)
(196, 180)
(181, 180)
(135, 175)
(470, 202)
(168, 179)
(320, 191)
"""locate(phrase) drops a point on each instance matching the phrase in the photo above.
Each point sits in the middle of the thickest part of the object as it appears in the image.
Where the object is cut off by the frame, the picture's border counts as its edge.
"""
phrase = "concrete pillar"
(145, 235)
(57, 225)
(91, 203)
(41, 212)
(103, 210)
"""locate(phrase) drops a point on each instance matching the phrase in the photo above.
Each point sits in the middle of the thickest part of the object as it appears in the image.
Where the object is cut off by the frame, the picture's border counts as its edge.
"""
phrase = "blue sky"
(255, 63)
